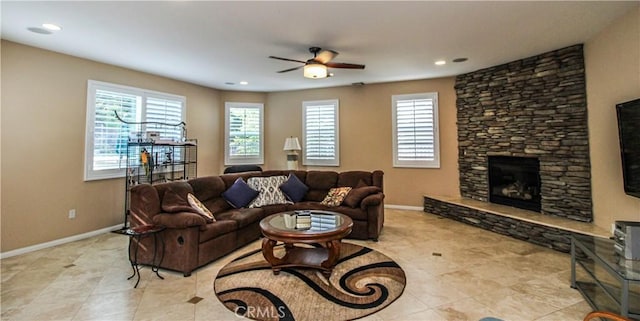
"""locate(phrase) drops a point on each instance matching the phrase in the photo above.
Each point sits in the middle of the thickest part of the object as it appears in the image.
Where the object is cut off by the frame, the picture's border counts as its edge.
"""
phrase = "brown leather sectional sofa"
(191, 242)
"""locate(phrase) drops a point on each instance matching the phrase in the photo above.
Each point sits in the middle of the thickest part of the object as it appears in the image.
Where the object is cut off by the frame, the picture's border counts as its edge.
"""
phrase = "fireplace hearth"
(515, 181)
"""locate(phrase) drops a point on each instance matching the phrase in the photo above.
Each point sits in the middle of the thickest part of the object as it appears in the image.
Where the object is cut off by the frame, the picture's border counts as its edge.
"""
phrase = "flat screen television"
(629, 133)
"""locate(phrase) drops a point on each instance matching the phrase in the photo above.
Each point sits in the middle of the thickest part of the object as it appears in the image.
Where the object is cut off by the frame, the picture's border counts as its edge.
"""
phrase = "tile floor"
(454, 272)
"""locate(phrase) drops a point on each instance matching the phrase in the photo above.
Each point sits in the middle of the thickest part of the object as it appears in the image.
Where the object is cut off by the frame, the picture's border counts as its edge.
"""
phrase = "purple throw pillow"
(239, 194)
(294, 189)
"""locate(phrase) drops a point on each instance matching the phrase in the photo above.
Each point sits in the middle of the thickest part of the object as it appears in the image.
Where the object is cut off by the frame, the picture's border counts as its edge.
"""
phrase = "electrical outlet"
(72, 213)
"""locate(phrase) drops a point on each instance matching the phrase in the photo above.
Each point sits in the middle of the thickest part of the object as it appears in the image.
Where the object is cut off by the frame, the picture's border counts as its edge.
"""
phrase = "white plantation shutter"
(164, 110)
(106, 137)
(244, 133)
(415, 130)
(320, 133)
(110, 135)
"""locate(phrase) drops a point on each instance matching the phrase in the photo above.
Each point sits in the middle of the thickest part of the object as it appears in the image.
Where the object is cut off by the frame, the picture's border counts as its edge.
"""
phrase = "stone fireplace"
(529, 108)
(515, 181)
(531, 116)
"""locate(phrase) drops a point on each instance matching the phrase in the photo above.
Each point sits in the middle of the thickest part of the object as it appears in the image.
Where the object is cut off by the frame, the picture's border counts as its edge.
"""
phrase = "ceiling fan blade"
(325, 56)
(287, 59)
(344, 65)
(290, 69)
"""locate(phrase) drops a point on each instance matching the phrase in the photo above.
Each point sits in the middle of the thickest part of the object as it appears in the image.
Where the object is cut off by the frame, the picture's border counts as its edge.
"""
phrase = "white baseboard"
(69, 239)
(78, 237)
(405, 207)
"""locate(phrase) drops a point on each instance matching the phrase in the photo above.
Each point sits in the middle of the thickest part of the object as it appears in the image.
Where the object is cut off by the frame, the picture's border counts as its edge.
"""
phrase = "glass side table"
(138, 233)
(609, 282)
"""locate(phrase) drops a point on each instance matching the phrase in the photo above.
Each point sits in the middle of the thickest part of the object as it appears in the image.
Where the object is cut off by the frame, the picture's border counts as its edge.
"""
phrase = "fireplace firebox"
(515, 181)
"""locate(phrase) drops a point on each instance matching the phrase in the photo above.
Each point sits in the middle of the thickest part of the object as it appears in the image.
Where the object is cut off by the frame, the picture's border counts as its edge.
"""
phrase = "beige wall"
(612, 60)
(43, 126)
(365, 135)
(44, 98)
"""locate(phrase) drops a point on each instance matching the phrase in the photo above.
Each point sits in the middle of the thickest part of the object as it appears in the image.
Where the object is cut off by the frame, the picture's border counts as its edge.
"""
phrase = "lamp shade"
(315, 71)
(292, 143)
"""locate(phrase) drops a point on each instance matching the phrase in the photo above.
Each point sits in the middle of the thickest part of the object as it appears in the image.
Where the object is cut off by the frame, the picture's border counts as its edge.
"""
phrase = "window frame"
(91, 174)
(335, 161)
(416, 163)
(236, 160)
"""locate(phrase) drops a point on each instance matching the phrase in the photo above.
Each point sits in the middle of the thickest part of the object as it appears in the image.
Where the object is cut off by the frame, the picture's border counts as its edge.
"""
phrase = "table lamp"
(292, 145)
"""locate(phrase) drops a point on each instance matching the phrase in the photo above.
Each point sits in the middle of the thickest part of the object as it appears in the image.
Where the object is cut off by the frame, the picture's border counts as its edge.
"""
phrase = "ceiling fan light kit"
(316, 67)
(315, 71)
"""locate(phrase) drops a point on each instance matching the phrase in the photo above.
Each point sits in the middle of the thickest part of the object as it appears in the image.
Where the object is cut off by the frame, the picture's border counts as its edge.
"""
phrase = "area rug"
(363, 282)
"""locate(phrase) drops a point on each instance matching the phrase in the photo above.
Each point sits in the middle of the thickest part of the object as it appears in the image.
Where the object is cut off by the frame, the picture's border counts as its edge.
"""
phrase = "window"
(415, 130)
(243, 134)
(320, 133)
(106, 137)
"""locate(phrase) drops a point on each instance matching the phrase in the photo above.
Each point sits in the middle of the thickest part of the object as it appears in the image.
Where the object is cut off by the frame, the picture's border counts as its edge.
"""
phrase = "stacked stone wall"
(557, 239)
(534, 107)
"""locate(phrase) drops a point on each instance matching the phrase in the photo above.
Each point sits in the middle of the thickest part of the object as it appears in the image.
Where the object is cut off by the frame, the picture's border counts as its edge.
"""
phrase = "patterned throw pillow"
(294, 189)
(239, 194)
(270, 192)
(336, 196)
(200, 208)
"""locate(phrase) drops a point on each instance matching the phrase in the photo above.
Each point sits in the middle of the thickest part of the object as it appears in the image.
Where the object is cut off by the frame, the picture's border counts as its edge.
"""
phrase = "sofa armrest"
(145, 203)
(372, 200)
(179, 220)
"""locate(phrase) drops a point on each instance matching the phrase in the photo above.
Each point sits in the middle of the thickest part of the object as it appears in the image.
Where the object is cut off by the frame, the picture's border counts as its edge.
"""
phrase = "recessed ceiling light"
(460, 59)
(440, 62)
(244, 82)
(51, 26)
(39, 30)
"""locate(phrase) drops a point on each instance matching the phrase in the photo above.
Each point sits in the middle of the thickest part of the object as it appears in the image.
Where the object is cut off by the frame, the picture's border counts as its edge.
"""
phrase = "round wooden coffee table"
(327, 229)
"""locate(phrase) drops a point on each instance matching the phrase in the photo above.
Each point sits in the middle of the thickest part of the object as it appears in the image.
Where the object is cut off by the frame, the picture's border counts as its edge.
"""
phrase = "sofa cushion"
(302, 175)
(356, 195)
(216, 229)
(315, 195)
(353, 178)
(354, 213)
(274, 172)
(275, 208)
(174, 201)
(242, 216)
(321, 180)
(270, 192)
(209, 191)
(200, 208)
(217, 205)
(230, 179)
(336, 196)
(239, 194)
(294, 189)
(361, 183)
(207, 188)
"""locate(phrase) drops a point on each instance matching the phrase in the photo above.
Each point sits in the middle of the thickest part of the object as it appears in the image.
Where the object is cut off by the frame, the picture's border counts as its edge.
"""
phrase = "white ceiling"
(214, 43)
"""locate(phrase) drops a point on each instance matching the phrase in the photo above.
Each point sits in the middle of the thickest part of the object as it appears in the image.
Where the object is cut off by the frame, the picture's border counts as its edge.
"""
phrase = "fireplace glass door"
(515, 181)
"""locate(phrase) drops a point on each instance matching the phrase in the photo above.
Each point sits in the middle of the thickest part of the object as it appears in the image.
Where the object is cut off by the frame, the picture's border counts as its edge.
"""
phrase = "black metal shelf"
(149, 162)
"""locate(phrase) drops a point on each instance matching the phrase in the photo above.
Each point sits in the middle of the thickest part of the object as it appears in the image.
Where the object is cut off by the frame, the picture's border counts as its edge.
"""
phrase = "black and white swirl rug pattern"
(364, 281)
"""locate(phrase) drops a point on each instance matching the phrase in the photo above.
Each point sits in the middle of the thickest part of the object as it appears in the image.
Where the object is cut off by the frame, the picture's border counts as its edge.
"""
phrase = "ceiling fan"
(316, 67)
